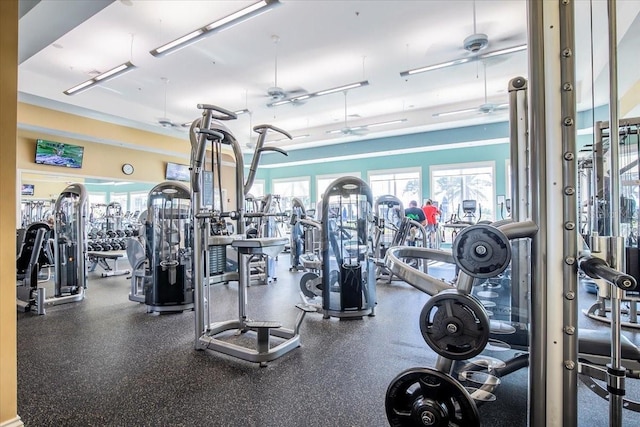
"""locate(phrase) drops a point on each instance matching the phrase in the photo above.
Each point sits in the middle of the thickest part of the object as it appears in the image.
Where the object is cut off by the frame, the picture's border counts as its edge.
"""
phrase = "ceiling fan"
(275, 92)
(476, 48)
(164, 121)
(346, 129)
(485, 108)
(362, 129)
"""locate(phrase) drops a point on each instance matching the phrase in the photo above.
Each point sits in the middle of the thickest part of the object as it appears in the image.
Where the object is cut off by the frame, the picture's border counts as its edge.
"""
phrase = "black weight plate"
(455, 325)
(426, 397)
(308, 286)
(482, 251)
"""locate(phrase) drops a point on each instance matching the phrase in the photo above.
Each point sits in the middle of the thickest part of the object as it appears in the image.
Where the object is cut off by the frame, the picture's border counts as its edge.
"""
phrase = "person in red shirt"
(431, 213)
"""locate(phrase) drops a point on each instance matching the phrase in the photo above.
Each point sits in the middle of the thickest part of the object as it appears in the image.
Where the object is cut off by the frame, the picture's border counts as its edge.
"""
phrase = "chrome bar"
(616, 245)
(569, 214)
(538, 340)
(520, 196)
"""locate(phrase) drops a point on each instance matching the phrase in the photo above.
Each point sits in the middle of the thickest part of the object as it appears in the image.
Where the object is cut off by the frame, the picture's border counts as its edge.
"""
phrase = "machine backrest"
(29, 246)
(135, 253)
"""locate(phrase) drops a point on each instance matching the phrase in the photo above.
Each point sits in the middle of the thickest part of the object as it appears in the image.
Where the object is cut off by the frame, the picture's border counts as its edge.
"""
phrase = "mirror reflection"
(112, 204)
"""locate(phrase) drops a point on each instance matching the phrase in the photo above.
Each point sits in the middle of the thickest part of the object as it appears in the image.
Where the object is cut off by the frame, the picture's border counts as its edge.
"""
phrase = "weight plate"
(310, 285)
(482, 251)
(426, 397)
(455, 325)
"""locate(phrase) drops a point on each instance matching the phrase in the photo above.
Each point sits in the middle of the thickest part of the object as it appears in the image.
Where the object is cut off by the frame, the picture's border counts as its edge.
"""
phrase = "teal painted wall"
(327, 160)
(498, 154)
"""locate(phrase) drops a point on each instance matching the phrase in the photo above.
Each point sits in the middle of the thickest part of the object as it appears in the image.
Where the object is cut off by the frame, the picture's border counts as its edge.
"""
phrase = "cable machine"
(596, 218)
(348, 267)
(168, 236)
(70, 245)
(457, 326)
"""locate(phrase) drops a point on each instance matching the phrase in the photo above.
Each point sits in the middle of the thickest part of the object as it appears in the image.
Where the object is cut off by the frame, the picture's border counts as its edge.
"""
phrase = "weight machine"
(211, 240)
(69, 250)
(348, 267)
(262, 219)
(34, 210)
(168, 286)
(596, 215)
(389, 216)
(541, 242)
(297, 235)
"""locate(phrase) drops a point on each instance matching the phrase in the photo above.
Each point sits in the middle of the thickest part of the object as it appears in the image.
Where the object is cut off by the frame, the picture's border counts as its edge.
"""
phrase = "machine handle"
(279, 150)
(265, 127)
(224, 114)
(211, 134)
(599, 269)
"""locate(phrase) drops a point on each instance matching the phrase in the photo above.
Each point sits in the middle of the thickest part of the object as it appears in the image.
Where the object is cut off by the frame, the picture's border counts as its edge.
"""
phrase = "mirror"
(39, 191)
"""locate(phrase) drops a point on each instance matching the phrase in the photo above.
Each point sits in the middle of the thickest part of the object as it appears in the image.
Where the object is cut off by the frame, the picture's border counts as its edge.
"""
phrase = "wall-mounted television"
(58, 154)
(27, 190)
(177, 172)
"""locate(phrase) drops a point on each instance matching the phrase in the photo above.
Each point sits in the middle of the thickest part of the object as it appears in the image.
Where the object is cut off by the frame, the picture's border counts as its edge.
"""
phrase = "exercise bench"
(100, 258)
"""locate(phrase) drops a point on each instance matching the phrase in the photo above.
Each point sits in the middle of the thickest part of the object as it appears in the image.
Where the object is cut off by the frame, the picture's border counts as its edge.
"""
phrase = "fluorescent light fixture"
(506, 51)
(434, 67)
(319, 93)
(391, 122)
(182, 42)
(281, 102)
(451, 113)
(246, 12)
(292, 139)
(372, 125)
(342, 88)
(243, 111)
(498, 52)
(102, 77)
(215, 27)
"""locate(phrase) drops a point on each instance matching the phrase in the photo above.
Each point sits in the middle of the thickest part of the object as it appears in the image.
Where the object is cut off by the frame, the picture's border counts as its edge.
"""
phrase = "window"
(138, 201)
(451, 184)
(120, 198)
(97, 198)
(257, 189)
(289, 188)
(403, 183)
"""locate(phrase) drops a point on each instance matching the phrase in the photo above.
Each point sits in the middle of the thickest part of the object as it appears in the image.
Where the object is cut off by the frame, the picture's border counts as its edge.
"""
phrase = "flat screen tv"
(58, 154)
(177, 172)
(27, 190)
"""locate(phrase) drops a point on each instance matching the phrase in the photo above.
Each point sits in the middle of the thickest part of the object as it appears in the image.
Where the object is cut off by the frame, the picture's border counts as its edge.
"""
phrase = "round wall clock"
(127, 169)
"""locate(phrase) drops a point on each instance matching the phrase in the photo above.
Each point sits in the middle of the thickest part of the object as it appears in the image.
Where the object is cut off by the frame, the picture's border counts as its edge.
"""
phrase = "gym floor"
(106, 362)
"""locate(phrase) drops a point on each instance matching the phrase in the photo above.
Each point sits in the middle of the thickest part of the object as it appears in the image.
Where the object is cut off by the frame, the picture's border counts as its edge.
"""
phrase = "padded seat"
(598, 342)
(137, 258)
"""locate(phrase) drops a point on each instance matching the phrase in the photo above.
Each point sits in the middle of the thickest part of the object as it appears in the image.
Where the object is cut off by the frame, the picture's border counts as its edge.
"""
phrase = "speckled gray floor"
(106, 362)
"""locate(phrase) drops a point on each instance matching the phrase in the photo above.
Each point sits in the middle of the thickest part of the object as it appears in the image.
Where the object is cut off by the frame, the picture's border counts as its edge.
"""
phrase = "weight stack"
(351, 287)
(217, 259)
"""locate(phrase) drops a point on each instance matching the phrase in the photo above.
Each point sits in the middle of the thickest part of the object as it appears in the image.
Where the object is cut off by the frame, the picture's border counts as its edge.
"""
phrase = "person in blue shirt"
(415, 213)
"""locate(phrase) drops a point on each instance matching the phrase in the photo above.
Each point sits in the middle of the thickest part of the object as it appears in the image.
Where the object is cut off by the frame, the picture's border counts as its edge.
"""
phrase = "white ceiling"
(322, 44)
